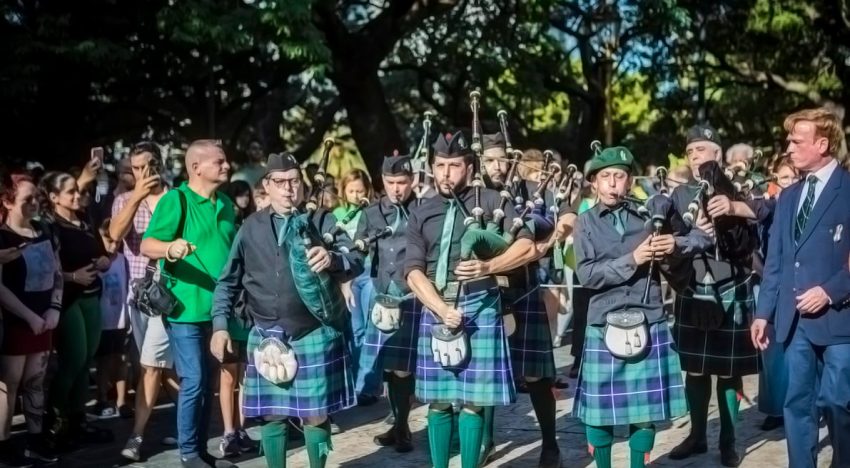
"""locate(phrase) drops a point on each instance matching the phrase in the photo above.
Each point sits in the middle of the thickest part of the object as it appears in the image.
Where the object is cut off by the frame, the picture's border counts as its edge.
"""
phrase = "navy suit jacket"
(820, 258)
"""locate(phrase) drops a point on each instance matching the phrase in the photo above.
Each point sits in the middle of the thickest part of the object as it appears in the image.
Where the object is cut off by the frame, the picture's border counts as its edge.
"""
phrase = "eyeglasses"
(281, 183)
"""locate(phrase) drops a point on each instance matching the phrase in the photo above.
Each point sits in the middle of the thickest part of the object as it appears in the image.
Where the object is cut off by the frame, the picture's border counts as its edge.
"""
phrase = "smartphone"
(154, 167)
(97, 153)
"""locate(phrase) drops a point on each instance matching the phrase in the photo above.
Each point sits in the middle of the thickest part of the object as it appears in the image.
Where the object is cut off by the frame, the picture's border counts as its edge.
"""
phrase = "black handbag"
(152, 295)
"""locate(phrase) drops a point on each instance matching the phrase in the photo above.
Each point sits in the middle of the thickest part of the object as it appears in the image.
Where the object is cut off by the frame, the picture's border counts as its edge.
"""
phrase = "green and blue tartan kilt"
(531, 343)
(726, 350)
(392, 351)
(614, 391)
(323, 383)
(486, 379)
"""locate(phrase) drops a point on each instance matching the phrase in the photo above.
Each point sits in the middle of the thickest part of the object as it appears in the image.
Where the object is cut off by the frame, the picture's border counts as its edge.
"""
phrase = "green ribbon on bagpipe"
(318, 291)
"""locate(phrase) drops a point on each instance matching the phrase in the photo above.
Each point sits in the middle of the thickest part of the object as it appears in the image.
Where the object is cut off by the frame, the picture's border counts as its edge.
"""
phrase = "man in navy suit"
(806, 288)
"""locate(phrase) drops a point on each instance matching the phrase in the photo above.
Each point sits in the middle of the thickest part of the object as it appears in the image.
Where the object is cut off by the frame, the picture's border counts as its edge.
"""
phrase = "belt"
(469, 287)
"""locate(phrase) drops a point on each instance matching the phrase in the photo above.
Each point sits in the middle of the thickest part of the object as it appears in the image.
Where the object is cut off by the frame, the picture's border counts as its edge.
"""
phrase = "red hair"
(9, 190)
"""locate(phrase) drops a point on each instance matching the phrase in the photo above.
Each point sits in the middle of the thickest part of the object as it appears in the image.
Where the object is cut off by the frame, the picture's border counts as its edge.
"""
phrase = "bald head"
(206, 162)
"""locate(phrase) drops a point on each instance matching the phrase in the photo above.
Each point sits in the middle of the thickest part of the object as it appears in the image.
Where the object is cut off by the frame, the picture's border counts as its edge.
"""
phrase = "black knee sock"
(403, 389)
(543, 401)
(698, 392)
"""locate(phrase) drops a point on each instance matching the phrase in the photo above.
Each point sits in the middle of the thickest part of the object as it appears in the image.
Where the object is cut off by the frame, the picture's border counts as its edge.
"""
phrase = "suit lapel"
(827, 197)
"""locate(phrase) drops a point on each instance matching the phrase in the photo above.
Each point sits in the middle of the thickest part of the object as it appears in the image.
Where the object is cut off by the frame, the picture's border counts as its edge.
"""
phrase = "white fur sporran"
(626, 334)
(450, 347)
(275, 361)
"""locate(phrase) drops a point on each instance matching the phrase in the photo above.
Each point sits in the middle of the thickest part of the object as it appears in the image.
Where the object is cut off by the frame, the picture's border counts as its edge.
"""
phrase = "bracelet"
(167, 255)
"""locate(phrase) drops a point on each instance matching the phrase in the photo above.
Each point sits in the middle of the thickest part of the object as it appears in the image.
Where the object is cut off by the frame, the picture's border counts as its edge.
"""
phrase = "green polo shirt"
(211, 227)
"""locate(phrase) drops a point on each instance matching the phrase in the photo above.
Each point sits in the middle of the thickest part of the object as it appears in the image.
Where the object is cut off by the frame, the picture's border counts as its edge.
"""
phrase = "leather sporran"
(626, 334)
(386, 313)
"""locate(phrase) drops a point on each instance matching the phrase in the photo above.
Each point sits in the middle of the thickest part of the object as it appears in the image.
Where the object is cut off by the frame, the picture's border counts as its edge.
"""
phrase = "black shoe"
(772, 422)
(729, 456)
(194, 462)
(486, 454)
(246, 443)
(366, 400)
(216, 462)
(550, 458)
(229, 445)
(403, 440)
(386, 439)
(39, 449)
(690, 446)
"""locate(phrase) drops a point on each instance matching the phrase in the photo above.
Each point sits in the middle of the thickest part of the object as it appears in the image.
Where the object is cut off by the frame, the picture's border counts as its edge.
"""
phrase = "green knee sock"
(489, 415)
(698, 393)
(402, 389)
(600, 440)
(728, 405)
(318, 442)
(273, 440)
(471, 428)
(440, 436)
(641, 441)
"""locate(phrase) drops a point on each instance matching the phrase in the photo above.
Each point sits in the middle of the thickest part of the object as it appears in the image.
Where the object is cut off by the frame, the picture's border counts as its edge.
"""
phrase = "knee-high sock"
(543, 401)
(317, 439)
(698, 392)
(440, 436)
(728, 391)
(489, 415)
(391, 391)
(641, 441)
(402, 389)
(273, 439)
(600, 439)
(471, 428)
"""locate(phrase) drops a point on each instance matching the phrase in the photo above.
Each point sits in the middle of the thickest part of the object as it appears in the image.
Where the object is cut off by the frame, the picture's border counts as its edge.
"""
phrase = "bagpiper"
(463, 357)
(630, 371)
(298, 363)
(391, 331)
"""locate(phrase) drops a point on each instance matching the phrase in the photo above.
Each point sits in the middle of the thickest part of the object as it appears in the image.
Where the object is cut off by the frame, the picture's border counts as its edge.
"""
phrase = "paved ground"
(517, 437)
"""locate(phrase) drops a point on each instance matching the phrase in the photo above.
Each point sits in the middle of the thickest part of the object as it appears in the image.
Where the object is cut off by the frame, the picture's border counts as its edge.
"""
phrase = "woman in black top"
(30, 295)
(82, 255)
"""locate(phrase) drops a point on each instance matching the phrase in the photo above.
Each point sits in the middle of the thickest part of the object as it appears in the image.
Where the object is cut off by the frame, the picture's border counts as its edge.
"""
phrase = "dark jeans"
(192, 359)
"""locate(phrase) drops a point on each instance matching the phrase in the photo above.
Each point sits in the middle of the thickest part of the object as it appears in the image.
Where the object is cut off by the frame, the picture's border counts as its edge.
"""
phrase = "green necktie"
(617, 214)
(398, 215)
(281, 234)
(445, 246)
(806, 209)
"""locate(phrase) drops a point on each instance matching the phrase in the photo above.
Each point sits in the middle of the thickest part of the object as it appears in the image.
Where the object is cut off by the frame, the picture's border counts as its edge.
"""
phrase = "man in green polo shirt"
(194, 256)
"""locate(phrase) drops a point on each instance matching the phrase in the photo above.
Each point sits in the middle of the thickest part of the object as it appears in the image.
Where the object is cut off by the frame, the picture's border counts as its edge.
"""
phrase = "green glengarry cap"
(618, 156)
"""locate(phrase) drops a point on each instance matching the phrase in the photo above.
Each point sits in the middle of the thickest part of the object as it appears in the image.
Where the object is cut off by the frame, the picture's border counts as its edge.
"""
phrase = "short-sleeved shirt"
(210, 226)
(425, 230)
(133, 240)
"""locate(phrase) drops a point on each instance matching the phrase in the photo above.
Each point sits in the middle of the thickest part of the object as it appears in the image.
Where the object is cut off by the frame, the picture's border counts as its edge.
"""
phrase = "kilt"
(531, 343)
(396, 350)
(614, 391)
(726, 350)
(486, 379)
(323, 383)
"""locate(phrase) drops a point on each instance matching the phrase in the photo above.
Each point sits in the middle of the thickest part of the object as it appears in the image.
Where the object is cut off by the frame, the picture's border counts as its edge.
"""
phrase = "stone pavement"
(516, 433)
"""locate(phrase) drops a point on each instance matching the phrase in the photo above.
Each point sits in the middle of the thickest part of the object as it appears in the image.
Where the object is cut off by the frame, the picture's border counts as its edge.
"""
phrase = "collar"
(823, 174)
(387, 205)
(197, 198)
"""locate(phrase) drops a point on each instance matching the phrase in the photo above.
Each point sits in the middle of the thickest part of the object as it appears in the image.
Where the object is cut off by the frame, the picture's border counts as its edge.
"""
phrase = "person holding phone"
(31, 297)
(131, 216)
(82, 255)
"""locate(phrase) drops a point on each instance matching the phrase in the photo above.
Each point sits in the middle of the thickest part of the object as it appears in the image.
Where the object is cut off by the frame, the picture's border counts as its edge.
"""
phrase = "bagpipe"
(319, 178)
(421, 162)
(330, 237)
(735, 238)
(746, 179)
